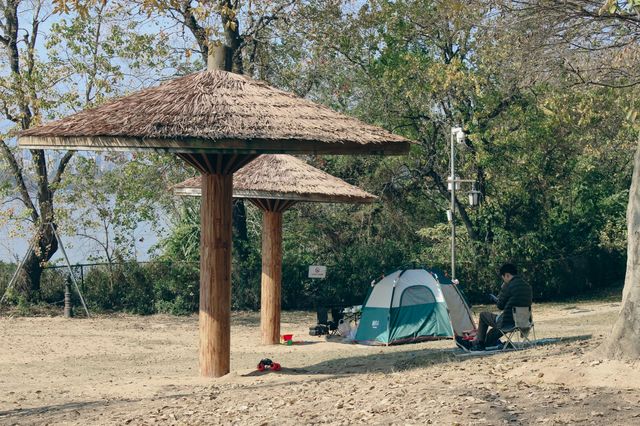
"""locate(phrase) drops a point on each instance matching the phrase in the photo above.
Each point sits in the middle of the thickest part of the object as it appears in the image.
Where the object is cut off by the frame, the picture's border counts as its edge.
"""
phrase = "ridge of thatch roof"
(213, 111)
(284, 177)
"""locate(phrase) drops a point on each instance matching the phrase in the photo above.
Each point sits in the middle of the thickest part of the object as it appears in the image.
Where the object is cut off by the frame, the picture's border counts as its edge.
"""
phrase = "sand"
(143, 370)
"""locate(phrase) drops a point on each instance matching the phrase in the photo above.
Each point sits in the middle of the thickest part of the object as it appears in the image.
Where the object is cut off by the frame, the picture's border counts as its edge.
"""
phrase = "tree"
(624, 341)
(22, 104)
(238, 25)
(420, 67)
(85, 58)
(596, 43)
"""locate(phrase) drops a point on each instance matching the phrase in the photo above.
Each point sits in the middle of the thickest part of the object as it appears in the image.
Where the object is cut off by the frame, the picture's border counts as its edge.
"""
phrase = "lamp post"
(457, 136)
(474, 196)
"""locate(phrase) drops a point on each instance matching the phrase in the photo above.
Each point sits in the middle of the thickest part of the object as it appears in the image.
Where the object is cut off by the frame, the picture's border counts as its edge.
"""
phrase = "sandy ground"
(143, 370)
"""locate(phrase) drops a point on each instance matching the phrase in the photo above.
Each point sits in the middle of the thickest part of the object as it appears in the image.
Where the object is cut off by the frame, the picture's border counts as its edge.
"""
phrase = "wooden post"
(271, 277)
(215, 274)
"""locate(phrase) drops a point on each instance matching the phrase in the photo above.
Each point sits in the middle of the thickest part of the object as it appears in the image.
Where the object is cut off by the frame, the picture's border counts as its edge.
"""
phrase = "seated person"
(514, 292)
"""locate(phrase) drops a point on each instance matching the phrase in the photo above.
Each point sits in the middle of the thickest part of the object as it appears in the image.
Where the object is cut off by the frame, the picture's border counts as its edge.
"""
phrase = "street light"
(454, 181)
(474, 196)
(459, 134)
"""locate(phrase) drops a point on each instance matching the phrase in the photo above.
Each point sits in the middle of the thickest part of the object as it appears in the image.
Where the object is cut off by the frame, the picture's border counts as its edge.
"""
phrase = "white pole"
(453, 207)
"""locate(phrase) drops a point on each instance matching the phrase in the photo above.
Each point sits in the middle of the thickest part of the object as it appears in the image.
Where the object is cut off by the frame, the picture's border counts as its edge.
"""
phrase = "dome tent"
(413, 305)
(457, 305)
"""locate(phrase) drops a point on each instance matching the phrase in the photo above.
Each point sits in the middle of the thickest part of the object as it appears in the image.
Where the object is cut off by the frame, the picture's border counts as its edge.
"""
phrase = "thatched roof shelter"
(214, 111)
(217, 122)
(274, 182)
(284, 177)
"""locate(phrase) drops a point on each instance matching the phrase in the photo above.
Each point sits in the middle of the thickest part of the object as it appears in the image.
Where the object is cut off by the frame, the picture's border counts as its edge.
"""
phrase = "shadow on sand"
(395, 361)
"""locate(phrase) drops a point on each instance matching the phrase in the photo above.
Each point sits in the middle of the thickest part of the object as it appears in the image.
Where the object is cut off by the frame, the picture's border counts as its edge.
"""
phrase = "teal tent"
(412, 305)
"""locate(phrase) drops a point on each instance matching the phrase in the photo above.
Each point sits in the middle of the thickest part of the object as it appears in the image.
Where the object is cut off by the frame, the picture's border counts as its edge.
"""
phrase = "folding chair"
(326, 325)
(523, 325)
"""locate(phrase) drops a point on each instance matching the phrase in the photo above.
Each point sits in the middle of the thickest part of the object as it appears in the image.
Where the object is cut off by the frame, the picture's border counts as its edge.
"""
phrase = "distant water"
(79, 249)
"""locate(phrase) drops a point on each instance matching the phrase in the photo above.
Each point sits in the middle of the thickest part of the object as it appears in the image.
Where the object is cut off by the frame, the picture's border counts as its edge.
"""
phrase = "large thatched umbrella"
(217, 122)
(274, 183)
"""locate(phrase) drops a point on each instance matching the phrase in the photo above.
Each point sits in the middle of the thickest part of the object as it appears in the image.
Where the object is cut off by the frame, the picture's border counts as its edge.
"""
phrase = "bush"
(52, 285)
(119, 287)
(176, 286)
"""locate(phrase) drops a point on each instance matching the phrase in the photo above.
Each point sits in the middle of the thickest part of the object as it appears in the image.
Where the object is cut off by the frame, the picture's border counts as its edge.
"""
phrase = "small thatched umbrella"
(274, 183)
(217, 122)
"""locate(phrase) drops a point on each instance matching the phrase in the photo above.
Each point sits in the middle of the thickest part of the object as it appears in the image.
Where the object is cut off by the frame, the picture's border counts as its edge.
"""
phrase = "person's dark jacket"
(516, 293)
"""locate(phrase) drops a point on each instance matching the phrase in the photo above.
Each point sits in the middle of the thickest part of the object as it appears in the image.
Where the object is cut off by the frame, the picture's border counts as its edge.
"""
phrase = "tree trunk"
(624, 341)
(28, 283)
(240, 235)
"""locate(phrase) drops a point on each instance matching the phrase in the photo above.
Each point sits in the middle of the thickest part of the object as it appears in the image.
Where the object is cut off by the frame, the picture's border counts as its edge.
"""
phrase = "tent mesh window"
(417, 295)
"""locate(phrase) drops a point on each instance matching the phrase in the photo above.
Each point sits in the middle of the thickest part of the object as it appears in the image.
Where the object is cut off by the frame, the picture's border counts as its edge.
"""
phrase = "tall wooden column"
(271, 277)
(215, 274)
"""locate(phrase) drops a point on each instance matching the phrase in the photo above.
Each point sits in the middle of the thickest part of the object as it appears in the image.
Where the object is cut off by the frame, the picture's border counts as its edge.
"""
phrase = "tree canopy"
(545, 91)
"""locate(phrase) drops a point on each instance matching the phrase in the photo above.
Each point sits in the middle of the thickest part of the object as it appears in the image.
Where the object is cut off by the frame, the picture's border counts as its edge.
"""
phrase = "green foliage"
(246, 275)
(119, 287)
(176, 287)
(553, 164)
(52, 285)
(553, 160)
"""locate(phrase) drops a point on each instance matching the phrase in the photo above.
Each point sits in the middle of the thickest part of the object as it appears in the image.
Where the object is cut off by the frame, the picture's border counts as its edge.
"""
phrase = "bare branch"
(265, 20)
(62, 165)
(17, 173)
(196, 29)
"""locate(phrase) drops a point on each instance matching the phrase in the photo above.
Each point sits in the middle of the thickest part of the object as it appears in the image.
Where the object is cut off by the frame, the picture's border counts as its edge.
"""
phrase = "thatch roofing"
(214, 111)
(283, 177)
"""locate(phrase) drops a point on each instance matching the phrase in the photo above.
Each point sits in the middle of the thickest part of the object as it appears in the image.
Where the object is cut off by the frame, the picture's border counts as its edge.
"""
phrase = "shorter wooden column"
(215, 275)
(271, 277)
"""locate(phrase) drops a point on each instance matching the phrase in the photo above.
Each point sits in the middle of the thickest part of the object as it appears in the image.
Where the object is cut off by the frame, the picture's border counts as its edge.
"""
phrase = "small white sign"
(317, 271)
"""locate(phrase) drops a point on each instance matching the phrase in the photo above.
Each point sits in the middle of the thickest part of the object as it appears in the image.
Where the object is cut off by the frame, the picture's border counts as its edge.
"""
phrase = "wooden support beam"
(271, 277)
(205, 157)
(219, 159)
(190, 159)
(215, 274)
(243, 161)
(229, 163)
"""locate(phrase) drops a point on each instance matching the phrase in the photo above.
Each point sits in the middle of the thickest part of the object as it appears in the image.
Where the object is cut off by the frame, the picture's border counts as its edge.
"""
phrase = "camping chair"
(523, 325)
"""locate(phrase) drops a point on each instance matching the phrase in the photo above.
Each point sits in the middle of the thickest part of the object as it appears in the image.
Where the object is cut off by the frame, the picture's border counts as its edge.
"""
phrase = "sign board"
(317, 271)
